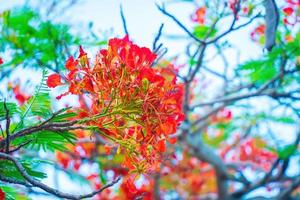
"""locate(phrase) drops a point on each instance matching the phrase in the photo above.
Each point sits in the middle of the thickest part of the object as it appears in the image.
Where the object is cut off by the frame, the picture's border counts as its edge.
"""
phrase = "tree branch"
(7, 139)
(36, 183)
(123, 20)
(206, 154)
(163, 10)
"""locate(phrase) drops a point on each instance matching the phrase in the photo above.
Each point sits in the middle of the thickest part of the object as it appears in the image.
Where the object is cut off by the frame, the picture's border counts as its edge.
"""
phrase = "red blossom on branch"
(199, 15)
(20, 96)
(54, 80)
(145, 103)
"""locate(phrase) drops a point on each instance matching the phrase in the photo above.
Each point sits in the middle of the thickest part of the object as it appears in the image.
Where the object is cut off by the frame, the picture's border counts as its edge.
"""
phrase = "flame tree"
(133, 122)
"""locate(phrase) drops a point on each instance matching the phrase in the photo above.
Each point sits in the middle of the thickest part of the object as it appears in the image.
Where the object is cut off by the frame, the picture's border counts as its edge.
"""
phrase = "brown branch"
(155, 48)
(14, 181)
(206, 154)
(268, 178)
(259, 92)
(287, 192)
(163, 10)
(232, 28)
(7, 139)
(123, 20)
(61, 126)
(20, 146)
(199, 63)
(36, 183)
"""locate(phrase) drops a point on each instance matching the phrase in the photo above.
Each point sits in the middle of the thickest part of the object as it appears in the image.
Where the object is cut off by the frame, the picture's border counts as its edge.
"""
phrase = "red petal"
(54, 80)
(2, 194)
(172, 140)
(81, 52)
(288, 11)
(107, 149)
(71, 64)
(161, 145)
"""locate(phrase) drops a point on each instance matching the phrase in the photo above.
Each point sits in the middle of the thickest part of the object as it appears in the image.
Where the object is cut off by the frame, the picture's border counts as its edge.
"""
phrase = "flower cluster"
(20, 96)
(131, 103)
(291, 12)
(258, 32)
(255, 151)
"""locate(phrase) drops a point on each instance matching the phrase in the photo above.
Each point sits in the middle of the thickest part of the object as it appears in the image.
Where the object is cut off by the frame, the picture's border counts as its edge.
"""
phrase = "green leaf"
(39, 105)
(8, 169)
(287, 151)
(50, 141)
(202, 31)
(12, 193)
(12, 107)
(64, 117)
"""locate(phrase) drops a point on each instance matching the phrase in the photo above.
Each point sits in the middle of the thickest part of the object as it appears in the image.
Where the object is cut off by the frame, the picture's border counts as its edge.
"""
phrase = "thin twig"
(163, 10)
(156, 39)
(123, 20)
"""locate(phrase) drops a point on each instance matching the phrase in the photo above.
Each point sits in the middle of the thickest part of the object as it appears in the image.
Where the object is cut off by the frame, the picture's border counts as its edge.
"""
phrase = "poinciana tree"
(130, 122)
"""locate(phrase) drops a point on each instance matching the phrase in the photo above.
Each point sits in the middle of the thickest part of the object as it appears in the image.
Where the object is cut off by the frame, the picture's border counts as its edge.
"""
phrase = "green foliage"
(12, 107)
(64, 115)
(39, 105)
(286, 151)
(8, 169)
(202, 31)
(12, 193)
(34, 42)
(49, 140)
(262, 70)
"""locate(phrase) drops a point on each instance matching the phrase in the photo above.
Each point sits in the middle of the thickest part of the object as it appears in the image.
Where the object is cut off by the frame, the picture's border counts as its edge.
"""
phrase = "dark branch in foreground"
(7, 139)
(36, 183)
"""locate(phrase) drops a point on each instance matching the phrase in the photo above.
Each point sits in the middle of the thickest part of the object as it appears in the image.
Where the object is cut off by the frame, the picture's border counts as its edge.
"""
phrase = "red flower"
(71, 64)
(81, 52)
(173, 140)
(107, 149)
(288, 11)
(54, 80)
(145, 102)
(161, 145)
(258, 32)
(232, 5)
(19, 95)
(63, 159)
(199, 15)
(1, 61)
(2, 195)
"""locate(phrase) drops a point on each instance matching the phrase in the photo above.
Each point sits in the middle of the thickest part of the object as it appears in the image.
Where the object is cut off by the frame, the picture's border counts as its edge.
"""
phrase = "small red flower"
(71, 64)
(161, 145)
(81, 52)
(19, 95)
(2, 194)
(107, 149)
(54, 80)
(1, 61)
(288, 11)
(200, 15)
(77, 165)
(173, 140)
